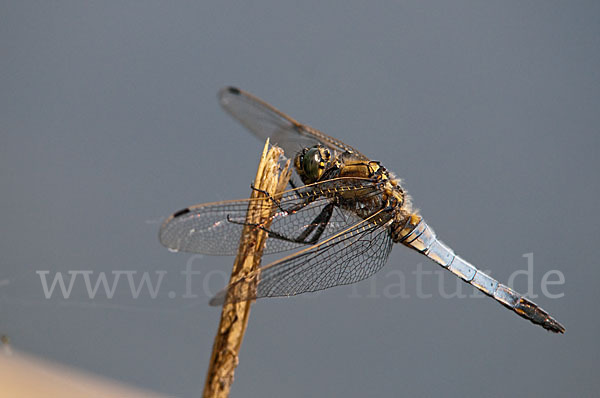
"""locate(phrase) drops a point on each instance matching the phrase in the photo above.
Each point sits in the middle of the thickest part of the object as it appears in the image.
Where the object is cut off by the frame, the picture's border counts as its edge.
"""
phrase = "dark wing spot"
(181, 212)
(234, 90)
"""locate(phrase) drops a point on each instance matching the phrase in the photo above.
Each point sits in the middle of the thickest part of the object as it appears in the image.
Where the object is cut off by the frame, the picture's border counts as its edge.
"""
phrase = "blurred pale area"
(23, 376)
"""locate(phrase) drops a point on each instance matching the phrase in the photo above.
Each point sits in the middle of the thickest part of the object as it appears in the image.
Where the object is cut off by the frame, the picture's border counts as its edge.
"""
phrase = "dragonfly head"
(311, 163)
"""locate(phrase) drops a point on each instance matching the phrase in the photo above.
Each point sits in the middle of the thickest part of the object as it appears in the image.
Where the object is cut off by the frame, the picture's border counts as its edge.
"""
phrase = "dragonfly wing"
(215, 228)
(263, 120)
(347, 257)
(204, 228)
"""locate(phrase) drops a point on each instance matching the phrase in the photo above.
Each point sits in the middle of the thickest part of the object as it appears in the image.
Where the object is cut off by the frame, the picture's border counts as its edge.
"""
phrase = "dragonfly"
(340, 221)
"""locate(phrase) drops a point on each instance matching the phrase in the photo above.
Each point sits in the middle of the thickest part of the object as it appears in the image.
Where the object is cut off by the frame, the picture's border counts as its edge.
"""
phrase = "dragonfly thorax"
(359, 185)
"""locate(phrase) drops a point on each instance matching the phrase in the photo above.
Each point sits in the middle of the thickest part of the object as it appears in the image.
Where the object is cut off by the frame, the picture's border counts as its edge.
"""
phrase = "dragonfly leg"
(269, 196)
(319, 224)
(277, 203)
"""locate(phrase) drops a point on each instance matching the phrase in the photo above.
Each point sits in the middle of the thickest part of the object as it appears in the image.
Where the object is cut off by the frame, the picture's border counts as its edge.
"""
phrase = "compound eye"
(312, 164)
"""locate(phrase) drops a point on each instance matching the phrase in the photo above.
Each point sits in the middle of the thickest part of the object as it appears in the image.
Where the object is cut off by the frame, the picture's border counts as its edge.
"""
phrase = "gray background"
(489, 112)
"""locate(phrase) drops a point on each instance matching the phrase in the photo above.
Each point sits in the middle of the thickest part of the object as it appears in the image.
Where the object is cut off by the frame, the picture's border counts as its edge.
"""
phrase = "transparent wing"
(215, 228)
(347, 257)
(263, 120)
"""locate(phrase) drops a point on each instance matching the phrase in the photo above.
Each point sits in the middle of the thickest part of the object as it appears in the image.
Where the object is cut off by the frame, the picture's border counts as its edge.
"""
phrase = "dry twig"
(234, 316)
